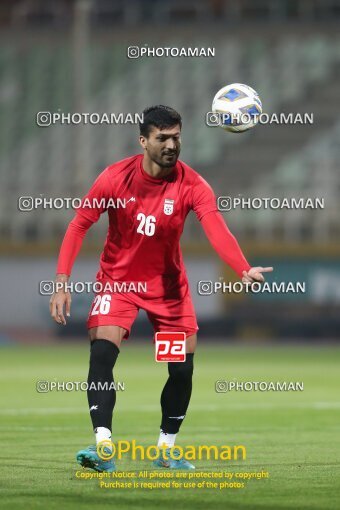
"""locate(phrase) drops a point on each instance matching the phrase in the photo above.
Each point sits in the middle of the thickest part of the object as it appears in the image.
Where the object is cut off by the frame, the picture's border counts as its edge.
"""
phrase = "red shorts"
(165, 314)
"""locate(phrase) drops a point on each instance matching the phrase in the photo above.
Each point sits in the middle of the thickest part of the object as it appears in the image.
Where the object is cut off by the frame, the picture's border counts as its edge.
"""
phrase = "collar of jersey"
(155, 180)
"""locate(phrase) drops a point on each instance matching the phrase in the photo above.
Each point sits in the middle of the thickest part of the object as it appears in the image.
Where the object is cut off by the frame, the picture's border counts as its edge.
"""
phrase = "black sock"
(176, 394)
(102, 401)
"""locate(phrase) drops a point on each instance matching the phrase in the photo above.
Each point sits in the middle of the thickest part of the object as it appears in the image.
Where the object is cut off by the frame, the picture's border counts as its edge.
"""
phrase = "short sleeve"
(203, 198)
(97, 200)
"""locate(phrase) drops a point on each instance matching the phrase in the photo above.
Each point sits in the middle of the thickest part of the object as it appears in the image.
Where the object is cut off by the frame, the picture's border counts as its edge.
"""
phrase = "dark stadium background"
(71, 57)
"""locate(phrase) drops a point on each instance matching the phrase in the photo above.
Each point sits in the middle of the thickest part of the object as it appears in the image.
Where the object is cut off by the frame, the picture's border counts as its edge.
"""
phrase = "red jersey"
(143, 237)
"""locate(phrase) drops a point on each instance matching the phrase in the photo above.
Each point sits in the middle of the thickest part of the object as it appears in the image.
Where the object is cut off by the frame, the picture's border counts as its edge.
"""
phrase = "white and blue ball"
(238, 106)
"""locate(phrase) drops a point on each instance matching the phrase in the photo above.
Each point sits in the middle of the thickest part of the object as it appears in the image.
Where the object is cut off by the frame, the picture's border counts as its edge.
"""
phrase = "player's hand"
(60, 299)
(255, 274)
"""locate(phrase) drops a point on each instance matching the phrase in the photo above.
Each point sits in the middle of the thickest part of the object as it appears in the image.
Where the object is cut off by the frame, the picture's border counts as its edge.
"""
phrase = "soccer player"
(142, 245)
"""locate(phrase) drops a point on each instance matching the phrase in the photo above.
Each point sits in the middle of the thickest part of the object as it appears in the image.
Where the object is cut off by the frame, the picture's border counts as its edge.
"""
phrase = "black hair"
(159, 116)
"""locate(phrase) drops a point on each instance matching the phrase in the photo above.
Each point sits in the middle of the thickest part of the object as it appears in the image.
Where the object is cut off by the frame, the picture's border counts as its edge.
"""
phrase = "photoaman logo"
(170, 346)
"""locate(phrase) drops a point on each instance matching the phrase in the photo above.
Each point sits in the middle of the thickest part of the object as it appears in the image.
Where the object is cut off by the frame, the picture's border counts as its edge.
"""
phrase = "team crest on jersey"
(168, 206)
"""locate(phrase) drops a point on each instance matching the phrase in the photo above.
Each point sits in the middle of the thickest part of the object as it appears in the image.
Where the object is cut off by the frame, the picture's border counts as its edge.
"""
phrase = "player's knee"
(182, 371)
(114, 334)
(103, 353)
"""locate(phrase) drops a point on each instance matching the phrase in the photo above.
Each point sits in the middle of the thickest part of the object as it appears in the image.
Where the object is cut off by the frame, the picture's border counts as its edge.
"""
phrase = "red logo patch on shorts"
(170, 346)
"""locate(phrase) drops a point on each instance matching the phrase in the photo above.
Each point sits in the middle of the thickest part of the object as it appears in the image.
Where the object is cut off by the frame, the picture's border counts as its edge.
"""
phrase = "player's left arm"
(222, 240)
(227, 247)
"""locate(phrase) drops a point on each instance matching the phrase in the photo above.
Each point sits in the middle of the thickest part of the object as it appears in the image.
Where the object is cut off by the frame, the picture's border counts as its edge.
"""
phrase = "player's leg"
(176, 394)
(175, 400)
(191, 343)
(175, 314)
(106, 332)
(101, 394)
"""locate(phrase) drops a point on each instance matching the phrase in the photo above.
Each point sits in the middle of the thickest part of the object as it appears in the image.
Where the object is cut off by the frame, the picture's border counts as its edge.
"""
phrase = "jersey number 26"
(147, 224)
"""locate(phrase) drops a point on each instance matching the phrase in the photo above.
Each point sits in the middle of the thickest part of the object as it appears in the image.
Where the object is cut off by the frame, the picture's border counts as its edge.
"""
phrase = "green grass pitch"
(293, 435)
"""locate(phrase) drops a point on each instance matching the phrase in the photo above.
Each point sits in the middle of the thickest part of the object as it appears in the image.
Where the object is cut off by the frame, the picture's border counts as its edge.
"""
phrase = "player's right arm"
(69, 250)
(92, 206)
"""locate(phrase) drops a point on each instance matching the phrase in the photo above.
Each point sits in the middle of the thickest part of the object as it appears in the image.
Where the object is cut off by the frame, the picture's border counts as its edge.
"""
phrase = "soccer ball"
(237, 106)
